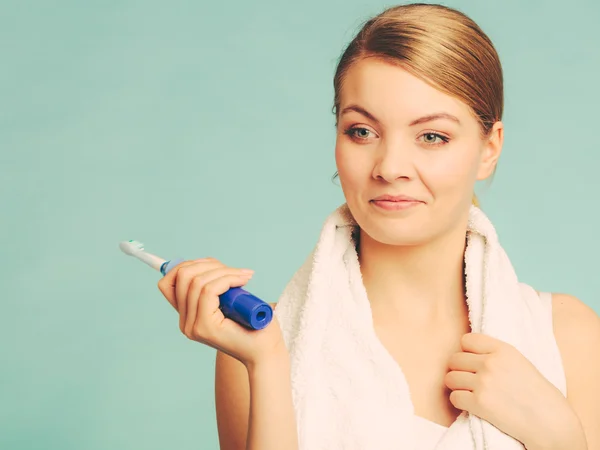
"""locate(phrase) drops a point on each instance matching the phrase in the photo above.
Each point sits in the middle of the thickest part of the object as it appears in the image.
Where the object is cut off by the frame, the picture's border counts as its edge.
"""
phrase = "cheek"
(339, 160)
(349, 166)
(451, 172)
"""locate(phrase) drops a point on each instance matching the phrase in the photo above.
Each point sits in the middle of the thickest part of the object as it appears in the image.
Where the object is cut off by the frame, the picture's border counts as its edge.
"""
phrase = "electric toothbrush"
(236, 304)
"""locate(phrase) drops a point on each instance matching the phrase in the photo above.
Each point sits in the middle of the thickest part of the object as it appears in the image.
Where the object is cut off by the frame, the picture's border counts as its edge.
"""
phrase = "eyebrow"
(427, 118)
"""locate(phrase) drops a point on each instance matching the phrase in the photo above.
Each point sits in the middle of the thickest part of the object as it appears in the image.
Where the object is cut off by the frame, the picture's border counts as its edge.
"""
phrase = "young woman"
(418, 103)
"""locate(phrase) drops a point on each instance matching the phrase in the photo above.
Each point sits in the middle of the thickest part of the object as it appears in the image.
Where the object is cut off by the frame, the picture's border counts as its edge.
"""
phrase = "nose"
(393, 161)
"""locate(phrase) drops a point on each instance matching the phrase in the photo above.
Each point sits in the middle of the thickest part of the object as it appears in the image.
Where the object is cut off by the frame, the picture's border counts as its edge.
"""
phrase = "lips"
(395, 198)
(396, 205)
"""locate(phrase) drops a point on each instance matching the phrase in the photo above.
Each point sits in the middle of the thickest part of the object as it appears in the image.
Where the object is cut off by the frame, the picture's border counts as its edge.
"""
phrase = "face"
(398, 135)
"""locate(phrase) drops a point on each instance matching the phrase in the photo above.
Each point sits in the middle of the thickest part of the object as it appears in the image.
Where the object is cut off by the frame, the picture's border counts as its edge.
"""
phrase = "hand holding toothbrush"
(212, 308)
(193, 289)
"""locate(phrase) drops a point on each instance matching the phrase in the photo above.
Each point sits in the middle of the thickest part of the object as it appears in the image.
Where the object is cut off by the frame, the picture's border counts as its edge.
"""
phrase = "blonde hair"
(441, 46)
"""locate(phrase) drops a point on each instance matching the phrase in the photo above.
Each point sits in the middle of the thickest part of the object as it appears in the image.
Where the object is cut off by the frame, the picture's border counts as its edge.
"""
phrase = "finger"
(458, 380)
(466, 362)
(166, 284)
(236, 277)
(479, 343)
(195, 291)
(463, 400)
(208, 312)
(183, 279)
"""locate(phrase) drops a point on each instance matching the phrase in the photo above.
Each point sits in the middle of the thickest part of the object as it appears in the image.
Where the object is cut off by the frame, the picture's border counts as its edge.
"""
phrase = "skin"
(412, 262)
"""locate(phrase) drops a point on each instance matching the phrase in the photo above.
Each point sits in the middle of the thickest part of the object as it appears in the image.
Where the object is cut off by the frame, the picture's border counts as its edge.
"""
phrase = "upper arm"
(577, 332)
(232, 401)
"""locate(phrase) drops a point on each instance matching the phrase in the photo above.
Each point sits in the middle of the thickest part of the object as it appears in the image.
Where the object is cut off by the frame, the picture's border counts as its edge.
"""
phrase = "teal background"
(205, 129)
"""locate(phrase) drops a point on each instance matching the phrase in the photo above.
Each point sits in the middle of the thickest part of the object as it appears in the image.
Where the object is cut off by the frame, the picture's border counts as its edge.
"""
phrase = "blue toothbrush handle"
(237, 304)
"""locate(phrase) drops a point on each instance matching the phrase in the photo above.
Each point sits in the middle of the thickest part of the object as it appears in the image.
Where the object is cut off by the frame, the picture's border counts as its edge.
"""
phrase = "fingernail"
(247, 271)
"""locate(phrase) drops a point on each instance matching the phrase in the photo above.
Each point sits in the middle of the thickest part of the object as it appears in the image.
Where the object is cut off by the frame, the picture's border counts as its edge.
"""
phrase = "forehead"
(392, 93)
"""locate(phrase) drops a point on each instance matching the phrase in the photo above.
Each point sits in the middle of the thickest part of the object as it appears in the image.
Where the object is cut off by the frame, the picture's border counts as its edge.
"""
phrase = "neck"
(416, 286)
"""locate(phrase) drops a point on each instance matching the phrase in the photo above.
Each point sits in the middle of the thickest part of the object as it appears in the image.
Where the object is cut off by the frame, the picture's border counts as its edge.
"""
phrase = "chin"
(399, 234)
(398, 239)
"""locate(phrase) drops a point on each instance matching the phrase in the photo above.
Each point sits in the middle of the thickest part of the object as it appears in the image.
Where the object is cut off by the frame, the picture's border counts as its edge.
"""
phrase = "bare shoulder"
(577, 332)
(574, 321)
(232, 401)
(576, 329)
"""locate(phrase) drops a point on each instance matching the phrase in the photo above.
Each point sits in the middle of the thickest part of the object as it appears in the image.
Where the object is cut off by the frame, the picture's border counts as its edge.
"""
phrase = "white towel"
(348, 392)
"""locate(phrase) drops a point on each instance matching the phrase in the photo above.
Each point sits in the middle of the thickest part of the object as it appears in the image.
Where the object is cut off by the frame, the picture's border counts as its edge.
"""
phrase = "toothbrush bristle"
(131, 246)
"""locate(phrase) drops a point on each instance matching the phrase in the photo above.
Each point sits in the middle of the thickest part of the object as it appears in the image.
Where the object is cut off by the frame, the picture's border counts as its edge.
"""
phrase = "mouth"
(395, 198)
(395, 205)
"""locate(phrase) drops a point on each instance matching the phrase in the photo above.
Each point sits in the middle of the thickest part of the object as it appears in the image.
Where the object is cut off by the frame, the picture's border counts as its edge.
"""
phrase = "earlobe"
(491, 151)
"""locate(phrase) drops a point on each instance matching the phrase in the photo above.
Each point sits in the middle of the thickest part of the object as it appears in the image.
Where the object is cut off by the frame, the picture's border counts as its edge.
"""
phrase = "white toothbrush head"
(131, 247)
(136, 249)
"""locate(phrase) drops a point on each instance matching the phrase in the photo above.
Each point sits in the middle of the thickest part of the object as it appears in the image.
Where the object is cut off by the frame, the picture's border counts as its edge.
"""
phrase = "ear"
(492, 147)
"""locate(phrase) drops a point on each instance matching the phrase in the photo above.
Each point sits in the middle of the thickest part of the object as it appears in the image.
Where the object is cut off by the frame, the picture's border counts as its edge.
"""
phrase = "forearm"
(568, 434)
(272, 422)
